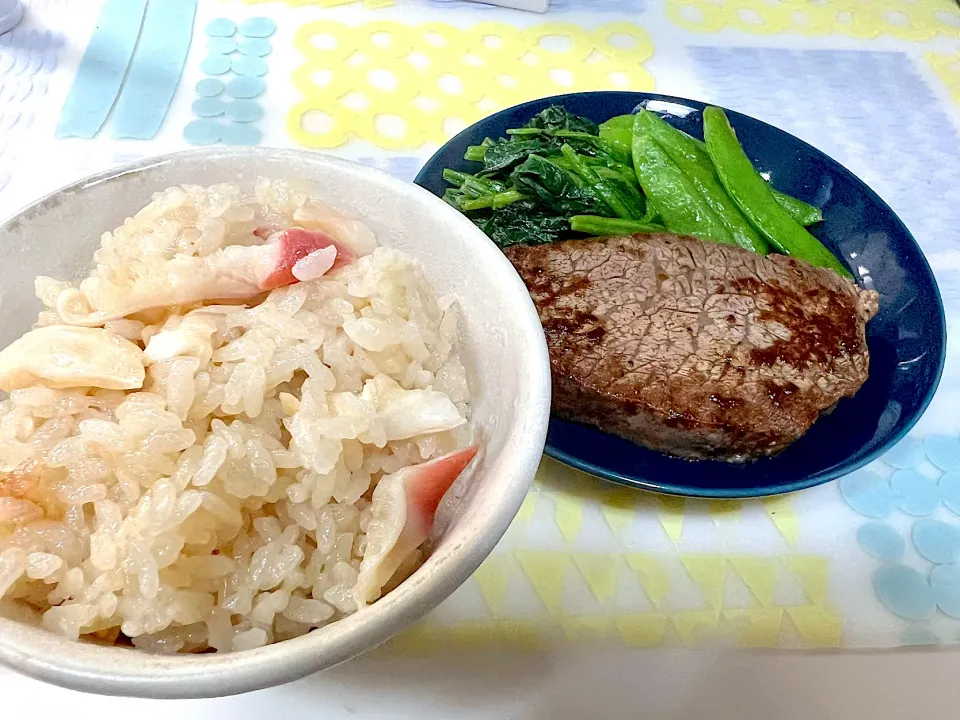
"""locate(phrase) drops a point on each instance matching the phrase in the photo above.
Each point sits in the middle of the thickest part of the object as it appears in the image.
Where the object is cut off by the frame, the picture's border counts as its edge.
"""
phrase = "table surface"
(599, 599)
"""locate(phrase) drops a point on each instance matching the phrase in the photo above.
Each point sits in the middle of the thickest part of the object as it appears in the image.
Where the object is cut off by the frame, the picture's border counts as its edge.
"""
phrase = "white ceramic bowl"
(504, 351)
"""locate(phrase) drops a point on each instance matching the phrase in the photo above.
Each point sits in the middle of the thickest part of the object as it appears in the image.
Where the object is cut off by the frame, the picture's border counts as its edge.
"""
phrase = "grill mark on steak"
(697, 349)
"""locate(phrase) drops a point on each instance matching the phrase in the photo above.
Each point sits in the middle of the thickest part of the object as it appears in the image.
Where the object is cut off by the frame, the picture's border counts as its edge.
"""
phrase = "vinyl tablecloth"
(873, 83)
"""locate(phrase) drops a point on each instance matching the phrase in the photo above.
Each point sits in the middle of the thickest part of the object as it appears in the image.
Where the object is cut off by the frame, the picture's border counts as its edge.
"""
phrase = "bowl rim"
(680, 490)
(108, 670)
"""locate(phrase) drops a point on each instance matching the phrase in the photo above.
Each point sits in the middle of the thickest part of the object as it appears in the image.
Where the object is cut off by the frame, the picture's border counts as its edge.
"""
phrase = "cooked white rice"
(225, 504)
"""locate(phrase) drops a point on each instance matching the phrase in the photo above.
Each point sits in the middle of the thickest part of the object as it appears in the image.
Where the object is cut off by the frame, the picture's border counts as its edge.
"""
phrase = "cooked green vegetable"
(561, 173)
(613, 131)
(495, 201)
(802, 212)
(618, 131)
(616, 200)
(469, 189)
(557, 117)
(555, 187)
(674, 142)
(595, 225)
(678, 201)
(524, 223)
(507, 154)
(755, 197)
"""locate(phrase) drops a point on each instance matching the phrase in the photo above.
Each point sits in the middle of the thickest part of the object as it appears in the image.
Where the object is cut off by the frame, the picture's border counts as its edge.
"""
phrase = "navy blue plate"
(907, 338)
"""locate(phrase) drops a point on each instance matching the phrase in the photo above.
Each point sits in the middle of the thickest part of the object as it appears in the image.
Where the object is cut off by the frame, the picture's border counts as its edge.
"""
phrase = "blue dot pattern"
(945, 581)
(945, 576)
(881, 541)
(221, 45)
(215, 64)
(936, 541)
(867, 493)
(950, 491)
(206, 107)
(943, 451)
(904, 591)
(243, 111)
(226, 111)
(221, 27)
(906, 454)
(258, 47)
(202, 132)
(246, 87)
(209, 87)
(914, 493)
(252, 66)
(258, 27)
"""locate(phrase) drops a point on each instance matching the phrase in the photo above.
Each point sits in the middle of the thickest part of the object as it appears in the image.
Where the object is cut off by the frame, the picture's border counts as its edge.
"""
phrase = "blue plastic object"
(914, 493)
(243, 111)
(248, 65)
(258, 47)
(208, 107)
(881, 541)
(102, 69)
(246, 87)
(203, 132)
(156, 69)
(937, 541)
(221, 27)
(258, 27)
(215, 64)
(949, 488)
(221, 45)
(943, 451)
(209, 87)
(905, 592)
(867, 493)
(907, 339)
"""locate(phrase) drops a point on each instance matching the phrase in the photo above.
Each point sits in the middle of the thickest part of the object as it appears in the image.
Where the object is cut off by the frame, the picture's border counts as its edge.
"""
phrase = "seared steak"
(695, 349)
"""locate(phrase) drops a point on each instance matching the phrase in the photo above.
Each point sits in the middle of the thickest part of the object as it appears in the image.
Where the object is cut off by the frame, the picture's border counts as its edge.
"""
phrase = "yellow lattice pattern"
(947, 68)
(764, 624)
(917, 20)
(400, 86)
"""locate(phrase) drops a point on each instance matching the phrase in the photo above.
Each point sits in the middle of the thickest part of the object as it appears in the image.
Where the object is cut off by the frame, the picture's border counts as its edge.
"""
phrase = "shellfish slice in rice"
(188, 335)
(354, 233)
(233, 272)
(60, 356)
(403, 510)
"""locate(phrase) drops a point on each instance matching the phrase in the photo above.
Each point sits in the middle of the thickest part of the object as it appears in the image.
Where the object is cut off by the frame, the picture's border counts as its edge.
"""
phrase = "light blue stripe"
(156, 69)
(102, 68)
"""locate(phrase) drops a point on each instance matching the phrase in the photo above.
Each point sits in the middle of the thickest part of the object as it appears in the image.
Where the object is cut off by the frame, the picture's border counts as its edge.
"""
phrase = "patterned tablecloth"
(865, 562)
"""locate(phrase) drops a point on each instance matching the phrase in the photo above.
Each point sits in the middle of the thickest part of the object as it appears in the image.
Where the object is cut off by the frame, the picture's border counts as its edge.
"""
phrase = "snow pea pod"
(755, 198)
(679, 204)
(804, 213)
(705, 179)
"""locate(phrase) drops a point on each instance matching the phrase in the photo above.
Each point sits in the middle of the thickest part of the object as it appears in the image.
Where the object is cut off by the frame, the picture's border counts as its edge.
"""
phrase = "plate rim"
(819, 478)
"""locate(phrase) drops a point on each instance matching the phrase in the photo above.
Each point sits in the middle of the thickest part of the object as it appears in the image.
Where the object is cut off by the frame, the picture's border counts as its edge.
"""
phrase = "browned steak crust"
(696, 349)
